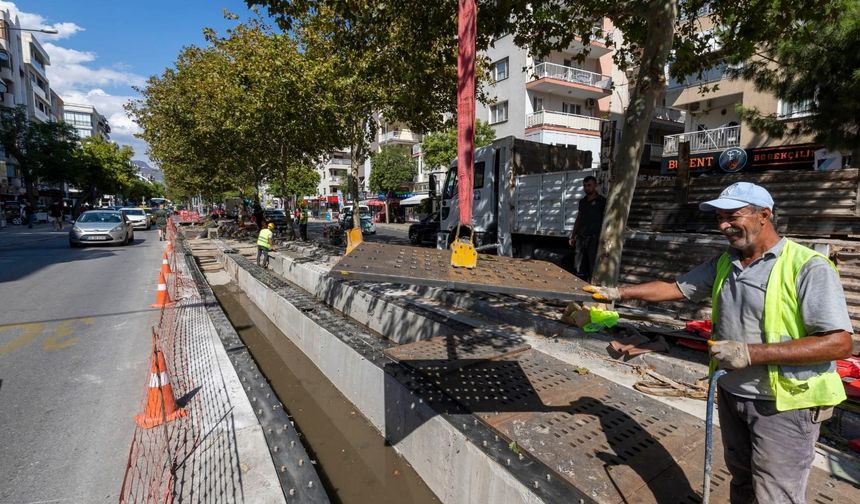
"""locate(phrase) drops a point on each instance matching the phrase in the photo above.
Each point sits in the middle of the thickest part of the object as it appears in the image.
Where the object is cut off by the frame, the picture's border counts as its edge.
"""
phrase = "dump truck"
(525, 198)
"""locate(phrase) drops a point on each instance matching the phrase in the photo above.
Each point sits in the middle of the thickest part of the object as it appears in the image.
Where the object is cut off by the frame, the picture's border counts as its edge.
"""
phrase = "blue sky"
(106, 47)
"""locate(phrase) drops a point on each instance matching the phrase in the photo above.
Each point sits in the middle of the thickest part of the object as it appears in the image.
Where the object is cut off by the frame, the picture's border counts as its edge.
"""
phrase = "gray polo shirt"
(820, 295)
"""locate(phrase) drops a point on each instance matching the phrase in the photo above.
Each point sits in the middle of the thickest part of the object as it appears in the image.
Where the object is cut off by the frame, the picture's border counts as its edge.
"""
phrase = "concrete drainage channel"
(458, 457)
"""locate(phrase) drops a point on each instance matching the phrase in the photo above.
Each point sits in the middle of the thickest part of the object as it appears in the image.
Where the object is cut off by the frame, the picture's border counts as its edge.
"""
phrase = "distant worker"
(303, 223)
(29, 213)
(586, 229)
(780, 322)
(161, 222)
(56, 213)
(259, 215)
(265, 244)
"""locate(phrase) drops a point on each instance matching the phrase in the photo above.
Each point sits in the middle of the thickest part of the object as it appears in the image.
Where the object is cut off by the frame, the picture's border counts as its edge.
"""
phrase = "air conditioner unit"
(694, 106)
(590, 102)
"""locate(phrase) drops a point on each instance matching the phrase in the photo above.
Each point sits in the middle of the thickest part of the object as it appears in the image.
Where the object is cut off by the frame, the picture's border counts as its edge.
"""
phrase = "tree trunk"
(359, 146)
(650, 82)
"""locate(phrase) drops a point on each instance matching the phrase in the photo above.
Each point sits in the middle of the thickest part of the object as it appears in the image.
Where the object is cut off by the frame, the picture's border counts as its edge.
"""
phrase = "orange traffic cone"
(162, 298)
(165, 265)
(160, 404)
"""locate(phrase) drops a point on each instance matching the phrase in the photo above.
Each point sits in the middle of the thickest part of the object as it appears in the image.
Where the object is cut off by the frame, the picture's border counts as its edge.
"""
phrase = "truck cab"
(525, 198)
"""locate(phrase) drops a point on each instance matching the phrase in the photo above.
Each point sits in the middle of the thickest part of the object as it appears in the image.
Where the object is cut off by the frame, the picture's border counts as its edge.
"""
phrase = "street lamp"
(49, 31)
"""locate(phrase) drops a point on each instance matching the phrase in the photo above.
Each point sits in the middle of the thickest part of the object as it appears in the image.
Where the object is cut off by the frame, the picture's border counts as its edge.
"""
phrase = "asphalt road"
(395, 234)
(74, 349)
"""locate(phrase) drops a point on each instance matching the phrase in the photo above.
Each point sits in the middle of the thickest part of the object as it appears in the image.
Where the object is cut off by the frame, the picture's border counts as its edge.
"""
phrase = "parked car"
(278, 218)
(364, 209)
(101, 226)
(137, 217)
(366, 218)
(150, 215)
(425, 230)
(14, 212)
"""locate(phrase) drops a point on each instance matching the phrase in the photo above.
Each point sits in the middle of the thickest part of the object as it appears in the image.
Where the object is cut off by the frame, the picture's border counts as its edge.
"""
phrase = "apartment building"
(333, 173)
(86, 120)
(554, 100)
(719, 141)
(23, 81)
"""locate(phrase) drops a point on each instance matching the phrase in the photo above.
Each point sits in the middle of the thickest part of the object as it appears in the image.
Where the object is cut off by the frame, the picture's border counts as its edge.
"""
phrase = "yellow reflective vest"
(796, 386)
(264, 237)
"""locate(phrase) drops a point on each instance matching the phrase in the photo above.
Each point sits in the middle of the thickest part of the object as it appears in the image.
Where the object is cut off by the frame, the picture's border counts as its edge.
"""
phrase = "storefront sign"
(735, 159)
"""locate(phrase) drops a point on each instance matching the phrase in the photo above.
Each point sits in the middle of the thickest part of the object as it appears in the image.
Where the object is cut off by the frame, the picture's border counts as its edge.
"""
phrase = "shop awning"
(414, 200)
(375, 203)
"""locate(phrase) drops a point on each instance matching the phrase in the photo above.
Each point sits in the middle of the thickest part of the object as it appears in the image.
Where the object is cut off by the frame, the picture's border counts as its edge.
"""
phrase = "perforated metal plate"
(608, 441)
(424, 266)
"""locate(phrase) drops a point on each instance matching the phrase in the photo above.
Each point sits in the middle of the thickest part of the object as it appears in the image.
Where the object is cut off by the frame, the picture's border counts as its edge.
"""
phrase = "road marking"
(28, 332)
(61, 337)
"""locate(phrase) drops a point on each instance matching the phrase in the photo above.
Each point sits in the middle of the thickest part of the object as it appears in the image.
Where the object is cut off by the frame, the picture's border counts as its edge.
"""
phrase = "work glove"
(603, 293)
(731, 354)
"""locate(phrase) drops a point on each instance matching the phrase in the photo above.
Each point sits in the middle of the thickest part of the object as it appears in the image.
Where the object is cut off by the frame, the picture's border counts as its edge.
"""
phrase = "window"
(571, 108)
(500, 70)
(499, 112)
(537, 104)
(479, 176)
(788, 110)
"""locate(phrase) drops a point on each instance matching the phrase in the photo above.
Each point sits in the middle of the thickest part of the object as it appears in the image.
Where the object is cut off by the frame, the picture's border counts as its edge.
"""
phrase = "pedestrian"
(56, 212)
(265, 244)
(29, 213)
(780, 321)
(303, 223)
(585, 236)
(259, 215)
(161, 222)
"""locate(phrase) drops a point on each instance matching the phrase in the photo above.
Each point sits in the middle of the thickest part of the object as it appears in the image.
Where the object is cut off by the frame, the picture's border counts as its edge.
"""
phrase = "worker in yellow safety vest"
(780, 321)
(265, 244)
(303, 223)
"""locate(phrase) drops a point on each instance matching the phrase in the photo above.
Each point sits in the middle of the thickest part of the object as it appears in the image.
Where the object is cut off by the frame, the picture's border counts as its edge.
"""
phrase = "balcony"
(670, 115)
(703, 141)
(570, 81)
(399, 137)
(336, 161)
(572, 121)
(416, 150)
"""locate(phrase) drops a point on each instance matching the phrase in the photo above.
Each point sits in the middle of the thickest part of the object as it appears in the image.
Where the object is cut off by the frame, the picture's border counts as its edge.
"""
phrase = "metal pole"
(709, 435)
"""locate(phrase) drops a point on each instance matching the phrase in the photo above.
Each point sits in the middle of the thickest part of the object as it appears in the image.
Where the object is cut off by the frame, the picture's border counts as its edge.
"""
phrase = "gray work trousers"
(768, 452)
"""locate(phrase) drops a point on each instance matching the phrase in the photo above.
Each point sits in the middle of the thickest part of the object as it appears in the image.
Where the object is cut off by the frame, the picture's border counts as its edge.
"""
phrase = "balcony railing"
(703, 141)
(574, 75)
(548, 117)
(338, 162)
(402, 135)
(669, 114)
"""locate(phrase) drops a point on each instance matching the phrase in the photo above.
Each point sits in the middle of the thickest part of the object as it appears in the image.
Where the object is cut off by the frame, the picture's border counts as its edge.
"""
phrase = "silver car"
(101, 226)
(137, 217)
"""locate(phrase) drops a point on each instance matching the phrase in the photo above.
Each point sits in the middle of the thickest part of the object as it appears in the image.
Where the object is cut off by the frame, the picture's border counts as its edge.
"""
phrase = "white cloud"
(31, 20)
(71, 70)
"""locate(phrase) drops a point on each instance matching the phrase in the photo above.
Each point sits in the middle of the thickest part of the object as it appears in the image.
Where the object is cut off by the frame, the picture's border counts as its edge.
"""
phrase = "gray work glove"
(731, 354)
(603, 293)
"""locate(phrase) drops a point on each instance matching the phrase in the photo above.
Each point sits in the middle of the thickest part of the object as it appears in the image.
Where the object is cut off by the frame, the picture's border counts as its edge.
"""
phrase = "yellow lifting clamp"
(353, 239)
(463, 253)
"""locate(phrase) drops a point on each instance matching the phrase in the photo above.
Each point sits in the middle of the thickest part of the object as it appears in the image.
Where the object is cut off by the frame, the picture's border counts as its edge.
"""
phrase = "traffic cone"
(162, 298)
(165, 265)
(160, 404)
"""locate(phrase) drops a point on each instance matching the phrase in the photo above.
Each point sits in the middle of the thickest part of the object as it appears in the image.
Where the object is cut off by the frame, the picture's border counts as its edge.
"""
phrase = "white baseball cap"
(739, 195)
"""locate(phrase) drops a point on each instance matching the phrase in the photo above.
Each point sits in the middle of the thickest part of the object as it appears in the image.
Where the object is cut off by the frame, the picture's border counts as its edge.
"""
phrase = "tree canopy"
(42, 149)
(246, 109)
(391, 168)
(689, 36)
(440, 147)
(818, 73)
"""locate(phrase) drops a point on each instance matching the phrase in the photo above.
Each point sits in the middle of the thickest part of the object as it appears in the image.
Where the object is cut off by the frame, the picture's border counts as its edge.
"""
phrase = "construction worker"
(265, 244)
(585, 236)
(780, 321)
(303, 223)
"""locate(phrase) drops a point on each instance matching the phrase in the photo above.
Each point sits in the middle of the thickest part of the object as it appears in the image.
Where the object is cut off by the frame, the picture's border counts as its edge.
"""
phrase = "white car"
(137, 216)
